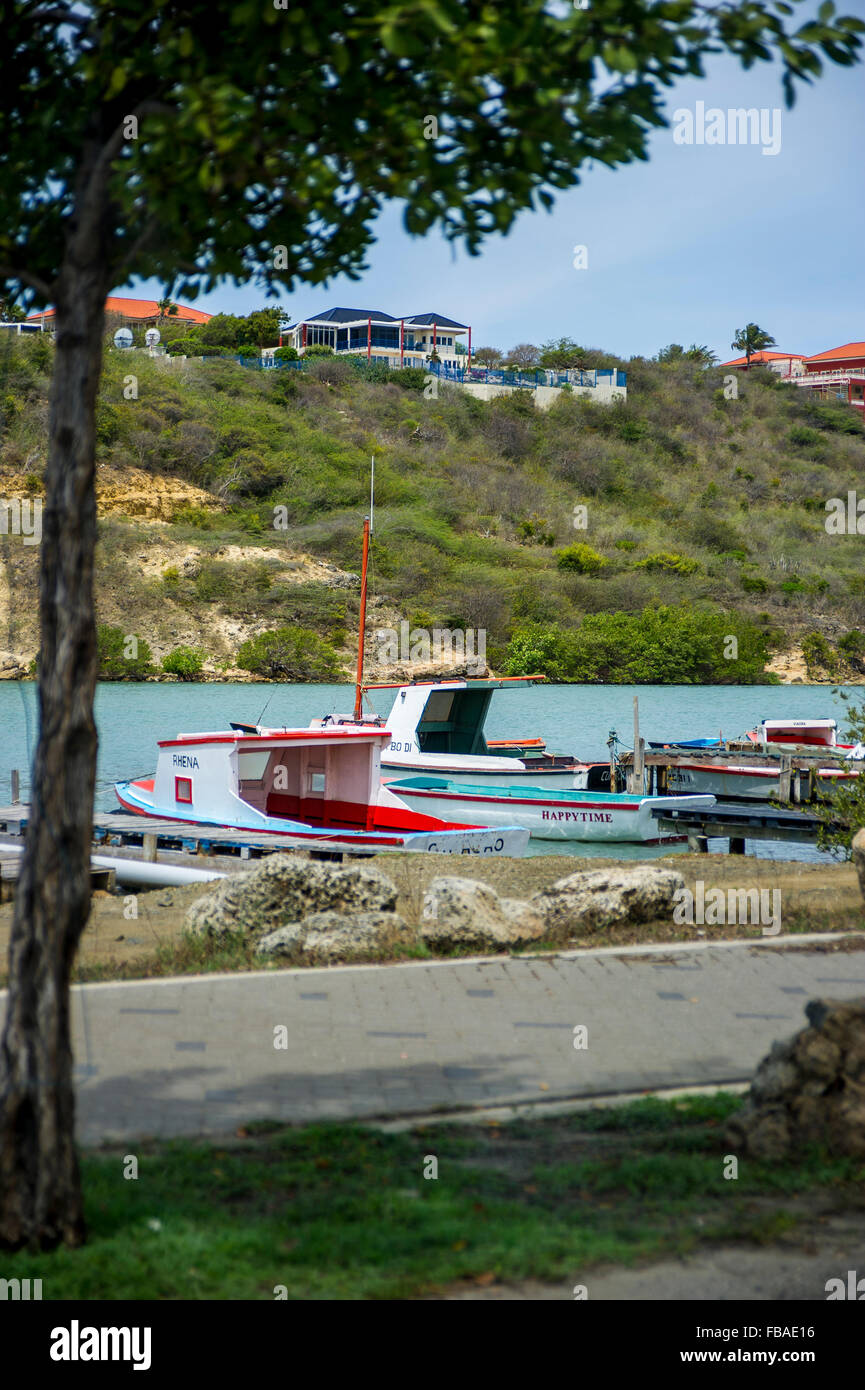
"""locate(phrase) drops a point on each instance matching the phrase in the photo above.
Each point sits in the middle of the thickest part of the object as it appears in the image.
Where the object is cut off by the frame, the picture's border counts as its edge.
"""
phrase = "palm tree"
(700, 352)
(751, 339)
(165, 307)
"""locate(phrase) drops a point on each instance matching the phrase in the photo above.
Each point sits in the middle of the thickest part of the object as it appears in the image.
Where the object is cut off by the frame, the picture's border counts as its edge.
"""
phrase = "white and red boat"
(548, 814)
(807, 733)
(732, 779)
(321, 786)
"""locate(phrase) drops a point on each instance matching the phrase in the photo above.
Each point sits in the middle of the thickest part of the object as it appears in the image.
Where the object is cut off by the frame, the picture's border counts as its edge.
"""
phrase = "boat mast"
(367, 531)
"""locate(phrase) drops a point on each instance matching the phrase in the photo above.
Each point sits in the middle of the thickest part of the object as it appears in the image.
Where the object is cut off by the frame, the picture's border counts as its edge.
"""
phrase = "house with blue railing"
(408, 341)
(602, 384)
(442, 347)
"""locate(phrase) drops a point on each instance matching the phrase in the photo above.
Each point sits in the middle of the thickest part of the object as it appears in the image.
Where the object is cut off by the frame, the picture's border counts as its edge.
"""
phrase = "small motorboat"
(807, 733)
(317, 786)
(437, 727)
(547, 814)
(730, 778)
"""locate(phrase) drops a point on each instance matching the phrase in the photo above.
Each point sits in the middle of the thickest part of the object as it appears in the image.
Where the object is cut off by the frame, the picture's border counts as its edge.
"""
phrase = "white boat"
(312, 786)
(437, 727)
(739, 781)
(732, 779)
(803, 733)
(548, 814)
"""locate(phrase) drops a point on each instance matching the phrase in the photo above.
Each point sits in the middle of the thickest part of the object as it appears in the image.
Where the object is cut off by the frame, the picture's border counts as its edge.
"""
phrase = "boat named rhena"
(548, 815)
(321, 786)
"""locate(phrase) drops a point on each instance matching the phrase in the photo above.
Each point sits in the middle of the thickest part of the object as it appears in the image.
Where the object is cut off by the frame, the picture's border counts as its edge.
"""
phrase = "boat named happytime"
(549, 814)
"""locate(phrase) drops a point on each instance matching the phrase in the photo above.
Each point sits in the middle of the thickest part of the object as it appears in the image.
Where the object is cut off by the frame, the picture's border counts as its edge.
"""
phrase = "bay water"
(132, 717)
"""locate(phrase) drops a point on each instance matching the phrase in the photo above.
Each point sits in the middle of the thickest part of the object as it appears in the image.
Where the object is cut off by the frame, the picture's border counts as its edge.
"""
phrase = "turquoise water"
(571, 718)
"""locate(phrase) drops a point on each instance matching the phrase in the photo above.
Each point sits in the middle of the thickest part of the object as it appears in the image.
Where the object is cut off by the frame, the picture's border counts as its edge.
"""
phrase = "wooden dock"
(10, 867)
(739, 821)
(121, 828)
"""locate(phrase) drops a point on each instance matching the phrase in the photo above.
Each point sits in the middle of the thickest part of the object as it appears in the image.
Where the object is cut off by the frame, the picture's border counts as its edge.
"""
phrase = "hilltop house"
(838, 373)
(129, 313)
(400, 342)
(785, 363)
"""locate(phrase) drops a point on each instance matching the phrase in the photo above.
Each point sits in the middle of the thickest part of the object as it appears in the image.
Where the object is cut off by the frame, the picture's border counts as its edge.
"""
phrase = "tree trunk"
(40, 1191)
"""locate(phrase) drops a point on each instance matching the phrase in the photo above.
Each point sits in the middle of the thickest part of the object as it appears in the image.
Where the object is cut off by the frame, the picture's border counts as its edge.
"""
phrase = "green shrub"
(215, 582)
(670, 562)
(532, 531)
(192, 516)
(852, 644)
(123, 656)
(820, 657)
(754, 584)
(580, 559)
(539, 650)
(290, 654)
(800, 434)
(409, 378)
(663, 646)
(185, 662)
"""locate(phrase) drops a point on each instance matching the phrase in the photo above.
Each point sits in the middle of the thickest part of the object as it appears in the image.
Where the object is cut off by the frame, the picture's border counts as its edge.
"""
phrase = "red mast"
(358, 689)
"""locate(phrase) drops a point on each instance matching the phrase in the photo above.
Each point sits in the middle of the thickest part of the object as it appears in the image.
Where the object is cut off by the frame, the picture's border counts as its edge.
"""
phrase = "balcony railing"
(496, 376)
(484, 376)
(839, 374)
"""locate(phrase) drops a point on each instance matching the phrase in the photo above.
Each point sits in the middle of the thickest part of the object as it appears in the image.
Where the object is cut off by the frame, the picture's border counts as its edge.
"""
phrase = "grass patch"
(342, 1211)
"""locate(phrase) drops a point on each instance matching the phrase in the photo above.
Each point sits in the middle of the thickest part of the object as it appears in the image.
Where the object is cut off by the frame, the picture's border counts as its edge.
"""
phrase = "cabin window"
(183, 789)
(316, 782)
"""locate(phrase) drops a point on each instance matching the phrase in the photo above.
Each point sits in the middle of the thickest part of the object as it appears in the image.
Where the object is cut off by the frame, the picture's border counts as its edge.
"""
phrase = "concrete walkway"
(197, 1055)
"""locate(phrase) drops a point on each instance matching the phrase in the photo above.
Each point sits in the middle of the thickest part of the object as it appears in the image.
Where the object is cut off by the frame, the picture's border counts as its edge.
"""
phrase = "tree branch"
(10, 272)
(140, 241)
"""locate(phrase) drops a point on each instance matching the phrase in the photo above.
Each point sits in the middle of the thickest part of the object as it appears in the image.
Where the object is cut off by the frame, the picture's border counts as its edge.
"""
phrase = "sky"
(687, 247)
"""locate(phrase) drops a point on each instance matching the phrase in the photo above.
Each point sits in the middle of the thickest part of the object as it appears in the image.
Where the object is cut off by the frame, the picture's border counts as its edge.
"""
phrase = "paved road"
(197, 1055)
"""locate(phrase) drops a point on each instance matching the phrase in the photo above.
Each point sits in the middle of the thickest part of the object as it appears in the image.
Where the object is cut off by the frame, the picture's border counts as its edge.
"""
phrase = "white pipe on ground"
(137, 874)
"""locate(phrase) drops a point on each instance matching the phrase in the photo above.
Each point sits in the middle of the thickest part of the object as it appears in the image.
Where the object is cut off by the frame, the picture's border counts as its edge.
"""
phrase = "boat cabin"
(818, 732)
(319, 777)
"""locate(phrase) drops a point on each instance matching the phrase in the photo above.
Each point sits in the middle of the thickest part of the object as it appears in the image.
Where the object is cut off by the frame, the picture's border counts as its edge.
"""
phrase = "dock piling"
(784, 777)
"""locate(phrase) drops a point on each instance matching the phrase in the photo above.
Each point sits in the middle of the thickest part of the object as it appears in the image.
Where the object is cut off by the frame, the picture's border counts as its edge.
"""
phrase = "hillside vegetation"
(232, 503)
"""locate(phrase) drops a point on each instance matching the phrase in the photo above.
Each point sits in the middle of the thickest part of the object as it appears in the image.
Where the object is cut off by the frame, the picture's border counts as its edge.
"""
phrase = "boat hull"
(574, 815)
(737, 783)
(485, 772)
(508, 840)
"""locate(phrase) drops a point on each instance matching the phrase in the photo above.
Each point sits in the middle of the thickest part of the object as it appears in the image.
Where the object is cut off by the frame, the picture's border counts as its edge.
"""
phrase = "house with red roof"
(131, 313)
(837, 374)
(784, 363)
